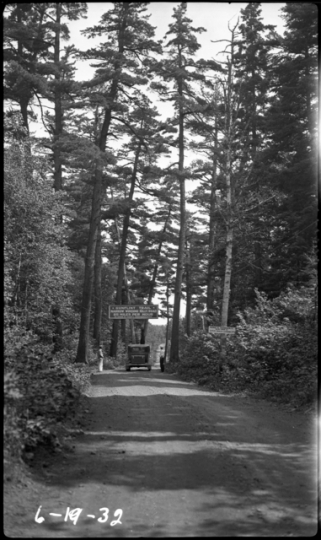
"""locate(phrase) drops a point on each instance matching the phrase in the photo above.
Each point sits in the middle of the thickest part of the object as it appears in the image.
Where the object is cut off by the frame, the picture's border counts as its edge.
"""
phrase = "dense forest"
(103, 204)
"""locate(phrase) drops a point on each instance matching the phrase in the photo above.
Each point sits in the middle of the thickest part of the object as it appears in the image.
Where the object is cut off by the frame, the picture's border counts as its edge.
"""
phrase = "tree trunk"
(137, 336)
(142, 335)
(24, 99)
(155, 270)
(229, 229)
(308, 96)
(97, 290)
(128, 296)
(82, 351)
(212, 230)
(257, 244)
(188, 290)
(58, 105)
(58, 333)
(131, 321)
(122, 254)
(167, 325)
(229, 188)
(124, 301)
(174, 356)
(229, 191)
(227, 277)
(228, 264)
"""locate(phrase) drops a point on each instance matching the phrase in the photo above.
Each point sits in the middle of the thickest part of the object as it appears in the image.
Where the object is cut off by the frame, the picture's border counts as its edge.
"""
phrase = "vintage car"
(138, 356)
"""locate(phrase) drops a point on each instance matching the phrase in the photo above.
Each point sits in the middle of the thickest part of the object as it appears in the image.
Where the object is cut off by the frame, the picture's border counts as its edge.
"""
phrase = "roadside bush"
(278, 353)
(273, 353)
(42, 279)
(12, 434)
(200, 359)
(41, 392)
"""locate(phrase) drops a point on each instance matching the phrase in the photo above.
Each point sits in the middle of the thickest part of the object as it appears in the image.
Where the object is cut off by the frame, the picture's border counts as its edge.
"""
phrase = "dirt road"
(168, 458)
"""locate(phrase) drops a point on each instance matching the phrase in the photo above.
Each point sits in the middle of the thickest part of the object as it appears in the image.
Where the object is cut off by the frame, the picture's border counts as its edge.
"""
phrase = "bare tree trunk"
(167, 325)
(212, 230)
(97, 290)
(229, 129)
(155, 270)
(228, 259)
(122, 254)
(227, 277)
(131, 321)
(124, 301)
(229, 241)
(129, 301)
(188, 290)
(174, 356)
(82, 351)
(228, 173)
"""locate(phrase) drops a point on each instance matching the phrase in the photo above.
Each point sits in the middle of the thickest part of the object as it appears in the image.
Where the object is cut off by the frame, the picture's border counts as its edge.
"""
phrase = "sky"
(213, 16)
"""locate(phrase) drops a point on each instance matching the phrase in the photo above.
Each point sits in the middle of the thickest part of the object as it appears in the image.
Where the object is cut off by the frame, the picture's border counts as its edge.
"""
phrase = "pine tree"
(153, 244)
(291, 158)
(129, 41)
(25, 48)
(205, 125)
(253, 81)
(62, 85)
(140, 155)
(195, 269)
(180, 69)
(240, 100)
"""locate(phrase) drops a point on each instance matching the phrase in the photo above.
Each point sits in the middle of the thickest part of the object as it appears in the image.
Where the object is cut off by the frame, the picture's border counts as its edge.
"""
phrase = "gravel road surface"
(169, 459)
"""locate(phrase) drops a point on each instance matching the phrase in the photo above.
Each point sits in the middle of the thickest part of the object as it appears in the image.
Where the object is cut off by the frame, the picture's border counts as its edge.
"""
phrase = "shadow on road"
(152, 432)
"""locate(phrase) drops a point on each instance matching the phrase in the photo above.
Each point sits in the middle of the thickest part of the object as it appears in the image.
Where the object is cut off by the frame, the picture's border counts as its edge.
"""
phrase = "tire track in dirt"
(179, 460)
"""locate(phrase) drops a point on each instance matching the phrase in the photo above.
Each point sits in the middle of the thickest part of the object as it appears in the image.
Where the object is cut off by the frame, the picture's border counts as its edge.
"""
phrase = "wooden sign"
(219, 330)
(133, 312)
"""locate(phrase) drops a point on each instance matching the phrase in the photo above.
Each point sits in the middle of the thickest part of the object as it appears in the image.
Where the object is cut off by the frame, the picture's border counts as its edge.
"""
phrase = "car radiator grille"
(138, 359)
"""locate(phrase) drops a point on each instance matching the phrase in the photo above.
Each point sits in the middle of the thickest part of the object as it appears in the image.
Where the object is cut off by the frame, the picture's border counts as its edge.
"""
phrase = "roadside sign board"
(133, 312)
(219, 330)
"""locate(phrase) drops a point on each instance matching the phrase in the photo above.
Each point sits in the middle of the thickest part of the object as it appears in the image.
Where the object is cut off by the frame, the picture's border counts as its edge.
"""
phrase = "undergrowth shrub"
(273, 353)
(42, 284)
(12, 434)
(41, 392)
(200, 360)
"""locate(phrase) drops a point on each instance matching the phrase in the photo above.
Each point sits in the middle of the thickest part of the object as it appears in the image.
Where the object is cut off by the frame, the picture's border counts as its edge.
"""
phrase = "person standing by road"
(100, 358)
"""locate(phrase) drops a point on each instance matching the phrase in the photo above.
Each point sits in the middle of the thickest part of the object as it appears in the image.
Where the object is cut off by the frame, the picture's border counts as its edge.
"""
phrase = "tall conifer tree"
(129, 40)
(291, 158)
(179, 69)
